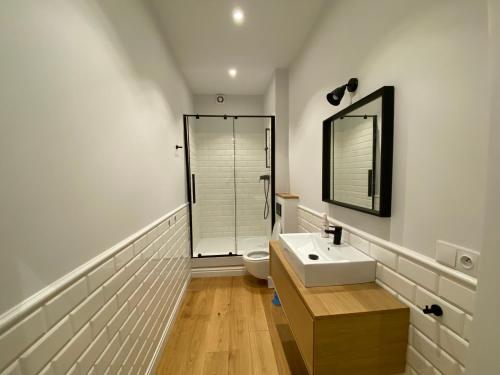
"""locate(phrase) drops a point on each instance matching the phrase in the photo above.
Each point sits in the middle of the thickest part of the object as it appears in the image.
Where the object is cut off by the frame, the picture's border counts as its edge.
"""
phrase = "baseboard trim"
(168, 328)
(218, 271)
(217, 262)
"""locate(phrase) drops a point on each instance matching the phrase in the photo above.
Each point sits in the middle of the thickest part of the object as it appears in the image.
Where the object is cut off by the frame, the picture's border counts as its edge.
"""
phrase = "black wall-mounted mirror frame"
(387, 136)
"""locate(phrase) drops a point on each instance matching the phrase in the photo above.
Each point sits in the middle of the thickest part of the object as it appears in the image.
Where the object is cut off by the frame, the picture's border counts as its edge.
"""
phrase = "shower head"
(265, 177)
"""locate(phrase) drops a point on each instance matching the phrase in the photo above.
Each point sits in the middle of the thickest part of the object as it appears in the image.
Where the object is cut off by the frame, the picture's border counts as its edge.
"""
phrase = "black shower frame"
(188, 173)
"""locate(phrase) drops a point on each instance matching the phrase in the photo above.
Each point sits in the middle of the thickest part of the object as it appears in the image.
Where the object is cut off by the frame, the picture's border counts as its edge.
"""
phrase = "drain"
(313, 257)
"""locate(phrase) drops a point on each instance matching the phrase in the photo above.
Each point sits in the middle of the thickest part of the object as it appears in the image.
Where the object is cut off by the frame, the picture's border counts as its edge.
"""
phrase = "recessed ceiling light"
(232, 72)
(238, 16)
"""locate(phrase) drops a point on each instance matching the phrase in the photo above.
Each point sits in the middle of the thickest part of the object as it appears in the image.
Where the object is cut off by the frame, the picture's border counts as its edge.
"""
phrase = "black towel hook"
(434, 309)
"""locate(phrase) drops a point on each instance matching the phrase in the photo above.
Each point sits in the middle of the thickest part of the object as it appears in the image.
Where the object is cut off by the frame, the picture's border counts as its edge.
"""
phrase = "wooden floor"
(228, 325)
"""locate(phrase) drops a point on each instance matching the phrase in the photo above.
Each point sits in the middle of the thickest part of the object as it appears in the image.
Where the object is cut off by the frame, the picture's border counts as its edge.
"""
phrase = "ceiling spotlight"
(238, 16)
(336, 95)
(232, 72)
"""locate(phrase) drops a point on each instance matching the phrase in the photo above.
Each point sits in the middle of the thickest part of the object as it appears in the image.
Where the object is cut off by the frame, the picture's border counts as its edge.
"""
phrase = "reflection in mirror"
(354, 165)
(357, 168)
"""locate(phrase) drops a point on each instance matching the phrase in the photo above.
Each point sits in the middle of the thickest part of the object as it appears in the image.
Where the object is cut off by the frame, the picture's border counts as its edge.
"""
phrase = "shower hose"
(266, 195)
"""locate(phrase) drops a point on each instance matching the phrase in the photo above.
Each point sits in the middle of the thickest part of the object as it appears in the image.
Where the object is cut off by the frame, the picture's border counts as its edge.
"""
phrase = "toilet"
(256, 261)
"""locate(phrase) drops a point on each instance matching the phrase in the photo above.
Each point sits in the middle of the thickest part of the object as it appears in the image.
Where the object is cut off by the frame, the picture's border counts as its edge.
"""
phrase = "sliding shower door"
(230, 178)
(213, 201)
(252, 145)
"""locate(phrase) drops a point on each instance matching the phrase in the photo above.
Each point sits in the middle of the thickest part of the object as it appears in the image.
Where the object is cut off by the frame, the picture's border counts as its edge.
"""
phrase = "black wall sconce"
(336, 95)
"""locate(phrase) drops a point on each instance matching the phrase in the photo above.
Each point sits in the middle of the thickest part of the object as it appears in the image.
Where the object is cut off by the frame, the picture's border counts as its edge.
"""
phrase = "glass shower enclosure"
(230, 169)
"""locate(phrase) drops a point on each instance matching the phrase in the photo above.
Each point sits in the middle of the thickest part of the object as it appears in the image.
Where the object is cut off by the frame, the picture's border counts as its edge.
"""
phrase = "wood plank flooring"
(228, 325)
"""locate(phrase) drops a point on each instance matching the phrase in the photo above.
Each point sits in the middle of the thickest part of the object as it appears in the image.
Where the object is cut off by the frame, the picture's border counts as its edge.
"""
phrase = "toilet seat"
(257, 260)
(257, 263)
(257, 255)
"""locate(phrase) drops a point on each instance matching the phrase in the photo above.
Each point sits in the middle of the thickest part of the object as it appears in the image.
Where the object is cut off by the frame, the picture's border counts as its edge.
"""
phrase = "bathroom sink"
(318, 262)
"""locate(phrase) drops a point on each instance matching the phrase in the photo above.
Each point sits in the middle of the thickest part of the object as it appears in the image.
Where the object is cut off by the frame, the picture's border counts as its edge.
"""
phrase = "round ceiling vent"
(219, 98)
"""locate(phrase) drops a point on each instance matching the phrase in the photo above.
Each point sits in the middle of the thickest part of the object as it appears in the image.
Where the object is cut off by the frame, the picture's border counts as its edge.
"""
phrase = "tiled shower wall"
(215, 199)
(437, 345)
(219, 164)
(110, 319)
(250, 162)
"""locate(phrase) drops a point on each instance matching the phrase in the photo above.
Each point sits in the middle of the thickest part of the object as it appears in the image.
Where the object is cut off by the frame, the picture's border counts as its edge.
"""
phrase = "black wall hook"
(177, 147)
(434, 309)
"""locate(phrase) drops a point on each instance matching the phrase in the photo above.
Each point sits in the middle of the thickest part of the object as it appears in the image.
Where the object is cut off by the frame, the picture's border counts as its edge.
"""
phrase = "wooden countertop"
(287, 195)
(326, 301)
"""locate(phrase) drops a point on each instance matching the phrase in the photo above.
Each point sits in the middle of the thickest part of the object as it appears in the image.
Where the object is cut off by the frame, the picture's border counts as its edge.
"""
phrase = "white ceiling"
(206, 42)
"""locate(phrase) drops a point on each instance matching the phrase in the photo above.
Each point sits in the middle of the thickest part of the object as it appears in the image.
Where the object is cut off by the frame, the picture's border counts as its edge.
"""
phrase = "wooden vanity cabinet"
(342, 330)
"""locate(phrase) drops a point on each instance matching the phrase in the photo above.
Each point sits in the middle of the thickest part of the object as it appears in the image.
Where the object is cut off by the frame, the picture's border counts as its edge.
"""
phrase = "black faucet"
(337, 233)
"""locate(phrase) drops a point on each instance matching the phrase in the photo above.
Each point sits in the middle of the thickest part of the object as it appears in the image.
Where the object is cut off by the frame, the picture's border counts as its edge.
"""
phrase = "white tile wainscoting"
(437, 345)
(111, 315)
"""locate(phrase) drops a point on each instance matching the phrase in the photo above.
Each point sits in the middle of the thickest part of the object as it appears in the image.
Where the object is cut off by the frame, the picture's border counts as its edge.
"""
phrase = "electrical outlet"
(467, 261)
(457, 257)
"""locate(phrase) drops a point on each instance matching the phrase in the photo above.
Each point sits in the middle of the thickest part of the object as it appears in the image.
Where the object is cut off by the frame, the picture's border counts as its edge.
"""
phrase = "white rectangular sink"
(335, 264)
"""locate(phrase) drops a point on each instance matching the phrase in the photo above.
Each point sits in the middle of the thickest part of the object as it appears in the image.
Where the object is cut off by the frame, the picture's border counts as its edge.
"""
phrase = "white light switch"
(446, 253)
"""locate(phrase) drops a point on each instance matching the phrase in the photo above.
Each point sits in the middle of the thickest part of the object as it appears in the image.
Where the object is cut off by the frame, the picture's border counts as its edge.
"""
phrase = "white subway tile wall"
(215, 198)
(21, 336)
(421, 275)
(359, 243)
(457, 294)
(110, 320)
(467, 327)
(437, 345)
(250, 164)
(386, 257)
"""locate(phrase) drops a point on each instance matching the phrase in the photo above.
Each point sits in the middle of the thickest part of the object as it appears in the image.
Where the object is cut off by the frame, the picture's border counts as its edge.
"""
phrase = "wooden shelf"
(287, 196)
(344, 330)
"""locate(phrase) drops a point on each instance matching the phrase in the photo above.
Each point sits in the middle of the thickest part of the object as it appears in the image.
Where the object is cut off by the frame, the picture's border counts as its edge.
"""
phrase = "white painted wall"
(91, 109)
(233, 105)
(483, 355)
(276, 102)
(434, 53)
(270, 97)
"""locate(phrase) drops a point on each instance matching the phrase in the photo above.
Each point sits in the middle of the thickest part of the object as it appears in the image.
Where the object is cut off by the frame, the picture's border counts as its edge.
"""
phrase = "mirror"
(357, 154)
